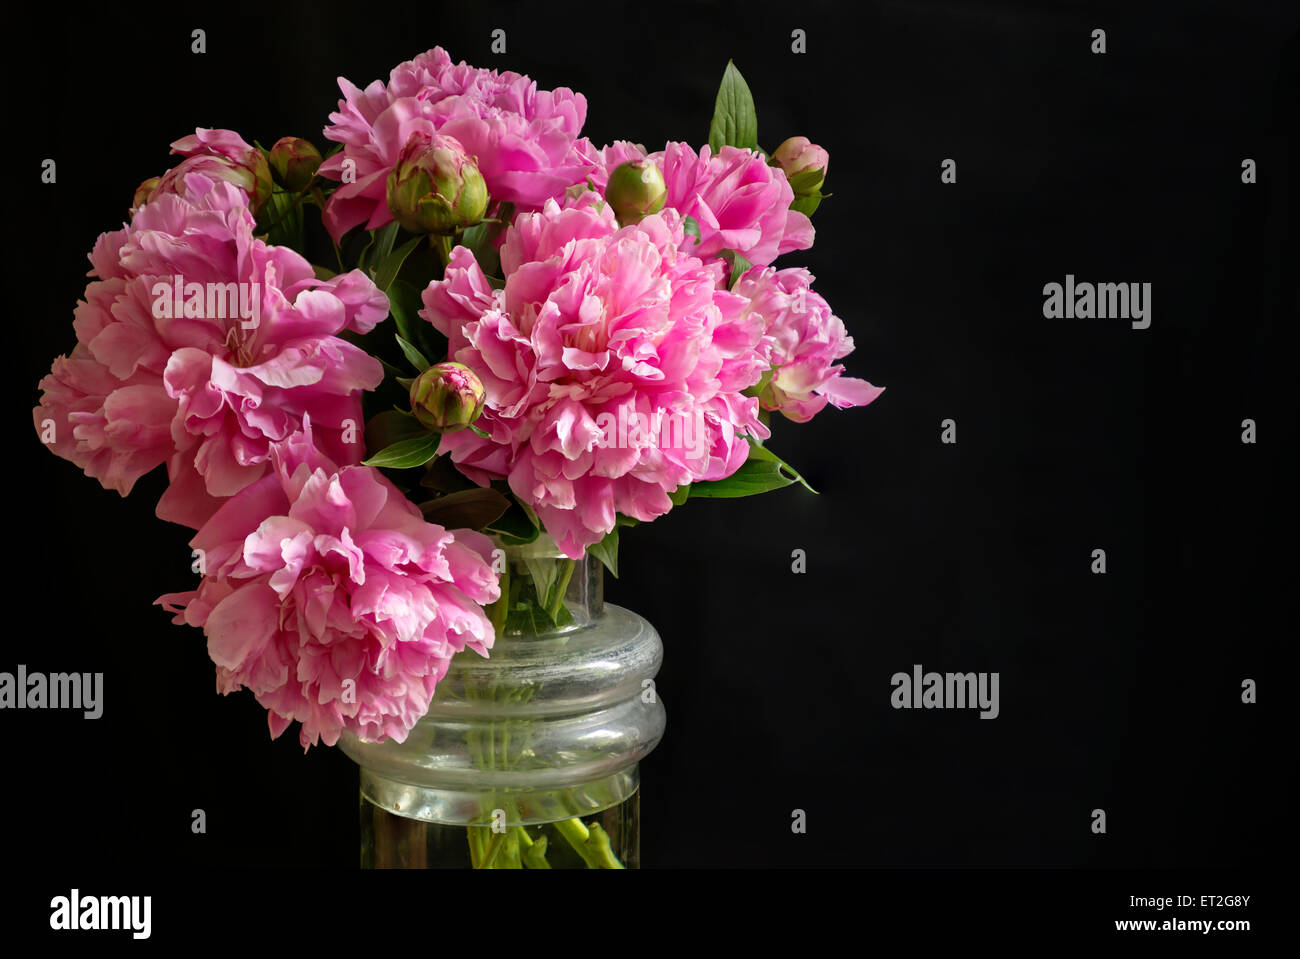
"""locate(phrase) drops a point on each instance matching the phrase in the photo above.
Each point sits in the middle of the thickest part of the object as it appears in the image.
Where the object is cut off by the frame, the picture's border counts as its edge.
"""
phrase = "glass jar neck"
(543, 592)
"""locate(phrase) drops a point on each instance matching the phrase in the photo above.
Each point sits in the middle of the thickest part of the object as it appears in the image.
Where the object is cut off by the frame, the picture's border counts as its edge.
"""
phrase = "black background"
(1120, 691)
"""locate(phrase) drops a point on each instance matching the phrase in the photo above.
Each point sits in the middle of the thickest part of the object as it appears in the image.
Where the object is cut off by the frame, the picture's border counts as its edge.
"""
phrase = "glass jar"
(528, 758)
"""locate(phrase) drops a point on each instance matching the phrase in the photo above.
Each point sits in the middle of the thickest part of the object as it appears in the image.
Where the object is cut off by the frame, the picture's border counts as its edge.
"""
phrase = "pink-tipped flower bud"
(804, 164)
(436, 186)
(635, 190)
(447, 396)
(222, 154)
(294, 162)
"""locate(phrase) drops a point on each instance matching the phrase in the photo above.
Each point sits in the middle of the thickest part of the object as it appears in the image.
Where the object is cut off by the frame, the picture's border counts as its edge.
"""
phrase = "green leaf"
(737, 264)
(763, 454)
(607, 551)
(680, 495)
(391, 264)
(469, 509)
(441, 476)
(754, 476)
(544, 574)
(380, 246)
(479, 238)
(734, 123)
(392, 426)
(807, 180)
(281, 218)
(489, 261)
(481, 235)
(513, 526)
(404, 304)
(532, 515)
(407, 454)
(529, 617)
(413, 356)
(691, 227)
(807, 205)
(475, 236)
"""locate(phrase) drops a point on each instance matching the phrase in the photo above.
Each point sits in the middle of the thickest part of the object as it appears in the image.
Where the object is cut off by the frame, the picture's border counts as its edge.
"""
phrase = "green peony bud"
(435, 186)
(447, 396)
(804, 163)
(294, 162)
(635, 190)
(254, 178)
(144, 191)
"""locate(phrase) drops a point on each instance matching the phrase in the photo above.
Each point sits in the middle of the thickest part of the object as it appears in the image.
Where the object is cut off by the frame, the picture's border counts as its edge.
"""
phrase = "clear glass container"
(526, 759)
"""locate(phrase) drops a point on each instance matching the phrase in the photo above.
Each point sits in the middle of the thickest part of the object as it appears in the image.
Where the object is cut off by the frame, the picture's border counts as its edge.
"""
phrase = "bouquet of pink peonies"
(518, 335)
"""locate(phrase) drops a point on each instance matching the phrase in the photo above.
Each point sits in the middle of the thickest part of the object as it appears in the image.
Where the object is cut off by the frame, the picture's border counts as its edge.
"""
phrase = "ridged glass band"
(550, 726)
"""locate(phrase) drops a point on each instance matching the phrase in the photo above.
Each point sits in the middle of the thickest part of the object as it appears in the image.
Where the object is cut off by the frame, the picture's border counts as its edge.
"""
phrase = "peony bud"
(447, 397)
(144, 191)
(294, 162)
(804, 163)
(435, 186)
(222, 154)
(635, 190)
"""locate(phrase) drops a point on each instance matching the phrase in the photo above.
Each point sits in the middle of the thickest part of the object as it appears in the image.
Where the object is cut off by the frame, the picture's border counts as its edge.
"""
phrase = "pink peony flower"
(327, 594)
(207, 387)
(739, 201)
(613, 366)
(524, 140)
(801, 342)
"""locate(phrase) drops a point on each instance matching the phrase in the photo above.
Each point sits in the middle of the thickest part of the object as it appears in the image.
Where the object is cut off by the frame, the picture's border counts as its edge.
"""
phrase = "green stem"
(442, 244)
(475, 836)
(503, 850)
(515, 848)
(561, 588)
(493, 847)
(509, 856)
(576, 833)
(534, 853)
(590, 842)
(602, 851)
(501, 608)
